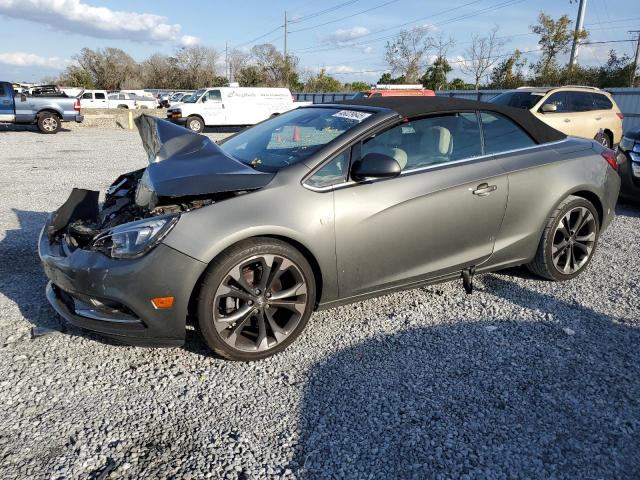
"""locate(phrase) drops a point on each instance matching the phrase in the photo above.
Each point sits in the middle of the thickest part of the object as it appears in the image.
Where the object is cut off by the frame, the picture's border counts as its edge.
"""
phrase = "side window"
(580, 101)
(334, 172)
(121, 97)
(502, 135)
(99, 96)
(214, 96)
(429, 141)
(88, 96)
(559, 99)
(2, 92)
(601, 102)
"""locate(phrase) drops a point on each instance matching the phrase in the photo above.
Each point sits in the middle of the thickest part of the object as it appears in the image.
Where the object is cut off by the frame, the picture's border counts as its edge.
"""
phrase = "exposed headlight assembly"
(134, 239)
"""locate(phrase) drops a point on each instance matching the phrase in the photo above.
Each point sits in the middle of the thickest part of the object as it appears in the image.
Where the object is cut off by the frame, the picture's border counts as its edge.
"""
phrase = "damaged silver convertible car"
(320, 206)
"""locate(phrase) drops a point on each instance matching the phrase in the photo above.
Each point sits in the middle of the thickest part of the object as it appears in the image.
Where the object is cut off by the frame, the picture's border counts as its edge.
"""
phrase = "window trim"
(345, 175)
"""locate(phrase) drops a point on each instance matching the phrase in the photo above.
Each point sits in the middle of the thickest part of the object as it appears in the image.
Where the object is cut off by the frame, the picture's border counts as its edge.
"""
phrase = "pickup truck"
(46, 112)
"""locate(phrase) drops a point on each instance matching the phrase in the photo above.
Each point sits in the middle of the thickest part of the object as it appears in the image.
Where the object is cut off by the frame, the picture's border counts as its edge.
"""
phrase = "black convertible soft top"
(409, 106)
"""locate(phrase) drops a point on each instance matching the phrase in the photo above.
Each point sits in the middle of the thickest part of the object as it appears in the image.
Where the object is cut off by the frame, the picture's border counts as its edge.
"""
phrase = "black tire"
(245, 345)
(606, 141)
(49, 123)
(195, 124)
(544, 264)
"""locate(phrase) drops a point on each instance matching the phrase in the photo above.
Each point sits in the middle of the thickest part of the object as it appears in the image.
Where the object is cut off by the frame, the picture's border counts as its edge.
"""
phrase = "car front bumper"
(113, 296)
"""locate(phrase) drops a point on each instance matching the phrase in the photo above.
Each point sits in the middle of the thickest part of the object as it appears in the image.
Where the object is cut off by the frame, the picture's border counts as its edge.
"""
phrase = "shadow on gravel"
(523, 400)
(625, 208)
(27, 129)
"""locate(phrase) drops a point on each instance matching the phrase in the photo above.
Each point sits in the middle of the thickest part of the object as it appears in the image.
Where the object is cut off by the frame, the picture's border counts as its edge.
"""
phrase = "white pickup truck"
(231, 106)
(103, 99)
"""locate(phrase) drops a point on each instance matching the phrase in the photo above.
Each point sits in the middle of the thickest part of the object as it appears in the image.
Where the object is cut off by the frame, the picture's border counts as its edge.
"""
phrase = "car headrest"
(437, 140)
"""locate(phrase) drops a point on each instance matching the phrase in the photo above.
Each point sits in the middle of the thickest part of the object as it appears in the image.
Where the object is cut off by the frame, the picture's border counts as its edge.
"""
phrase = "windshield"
(194, 97)
(360, 95)
(291, 137)
(524, 100)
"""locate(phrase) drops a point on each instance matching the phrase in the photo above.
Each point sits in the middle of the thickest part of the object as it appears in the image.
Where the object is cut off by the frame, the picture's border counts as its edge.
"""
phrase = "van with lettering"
(231, 106)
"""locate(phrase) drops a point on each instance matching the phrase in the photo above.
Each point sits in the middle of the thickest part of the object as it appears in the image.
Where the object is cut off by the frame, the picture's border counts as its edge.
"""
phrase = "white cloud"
(189, 41)
(102, 22)
(346, 35)
(337, 69)
(22, 59)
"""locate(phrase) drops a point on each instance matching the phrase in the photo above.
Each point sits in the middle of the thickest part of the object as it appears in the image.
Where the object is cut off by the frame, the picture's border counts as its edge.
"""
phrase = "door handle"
(598, 118)
(484, 189)
(567, 120)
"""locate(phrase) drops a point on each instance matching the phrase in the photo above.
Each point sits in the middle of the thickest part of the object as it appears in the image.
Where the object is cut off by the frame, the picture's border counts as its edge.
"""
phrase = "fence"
(628, 99)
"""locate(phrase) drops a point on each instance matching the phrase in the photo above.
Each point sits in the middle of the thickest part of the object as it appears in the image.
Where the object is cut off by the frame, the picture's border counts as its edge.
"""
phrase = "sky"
(346, 38)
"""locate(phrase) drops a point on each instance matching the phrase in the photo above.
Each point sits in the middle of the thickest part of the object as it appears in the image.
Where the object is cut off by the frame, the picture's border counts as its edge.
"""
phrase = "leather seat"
(436, 145)
(388, 143)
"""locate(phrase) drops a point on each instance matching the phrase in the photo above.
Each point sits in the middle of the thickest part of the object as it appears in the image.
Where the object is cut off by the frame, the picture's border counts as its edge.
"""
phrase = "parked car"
(317, 207)
(230, 106)
(163, 99)
(131, 101)
(382, 90)
(629, 148)
(574, 110)
(47, 113)
(176, 99)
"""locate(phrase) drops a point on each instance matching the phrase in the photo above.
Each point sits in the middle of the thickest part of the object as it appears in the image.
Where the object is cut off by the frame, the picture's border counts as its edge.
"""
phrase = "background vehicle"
(382, 90)
(46, 112)
(574, 110)
(94, 99)
(163, 99)
(230, 106)
(178, 98)
(629, 147)
(255, 233)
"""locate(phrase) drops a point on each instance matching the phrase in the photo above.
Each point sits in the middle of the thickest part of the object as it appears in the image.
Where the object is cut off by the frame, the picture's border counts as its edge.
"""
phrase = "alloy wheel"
(50, 124)
(259, 303)
(195, 125)
(574, 240)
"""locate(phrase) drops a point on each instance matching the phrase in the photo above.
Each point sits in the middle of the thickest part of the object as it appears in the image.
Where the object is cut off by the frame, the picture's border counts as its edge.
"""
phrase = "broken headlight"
(134, 239)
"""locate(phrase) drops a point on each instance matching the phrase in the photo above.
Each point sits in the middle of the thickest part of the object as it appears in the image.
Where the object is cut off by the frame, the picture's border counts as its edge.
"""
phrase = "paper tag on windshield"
(352, 115)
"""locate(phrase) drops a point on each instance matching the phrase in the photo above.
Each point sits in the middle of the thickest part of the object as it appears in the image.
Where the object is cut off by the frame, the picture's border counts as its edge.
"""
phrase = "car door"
(100, 100)
(584, 116)
(562, 118)
(7, 113)
(213, 111)
(86, 100)
(439, 216)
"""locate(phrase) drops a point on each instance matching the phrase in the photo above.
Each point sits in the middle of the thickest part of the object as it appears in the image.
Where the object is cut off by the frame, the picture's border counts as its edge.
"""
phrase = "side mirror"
(204, 98)
(549, 107)
(375, 165)
(23, 97)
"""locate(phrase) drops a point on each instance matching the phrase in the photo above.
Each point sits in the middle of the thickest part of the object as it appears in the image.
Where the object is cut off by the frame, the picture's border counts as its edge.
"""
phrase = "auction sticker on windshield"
(352, 115)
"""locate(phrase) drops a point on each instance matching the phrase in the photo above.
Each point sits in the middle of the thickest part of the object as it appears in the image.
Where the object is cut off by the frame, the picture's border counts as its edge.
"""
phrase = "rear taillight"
(610, 156)
(620, 115)
(76, 105)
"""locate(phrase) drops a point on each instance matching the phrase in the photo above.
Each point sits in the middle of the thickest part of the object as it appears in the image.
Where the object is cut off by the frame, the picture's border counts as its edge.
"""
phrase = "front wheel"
(255, 299)
(48, 123)
(568, 242)
(195, 124)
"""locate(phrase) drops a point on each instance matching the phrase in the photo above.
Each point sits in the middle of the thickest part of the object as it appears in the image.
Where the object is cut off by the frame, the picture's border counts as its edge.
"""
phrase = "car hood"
(185, 163)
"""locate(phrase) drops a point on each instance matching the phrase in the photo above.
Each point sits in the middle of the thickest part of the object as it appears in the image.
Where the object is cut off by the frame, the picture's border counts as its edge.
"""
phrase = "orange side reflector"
(162, 302)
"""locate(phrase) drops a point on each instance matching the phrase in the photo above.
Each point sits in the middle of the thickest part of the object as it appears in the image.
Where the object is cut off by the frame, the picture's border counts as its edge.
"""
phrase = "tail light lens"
(610, 156)
(620, 115)
(76, 105)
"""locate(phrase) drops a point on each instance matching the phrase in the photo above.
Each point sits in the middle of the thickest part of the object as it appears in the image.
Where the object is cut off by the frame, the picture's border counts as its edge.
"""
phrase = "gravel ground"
(522, 379)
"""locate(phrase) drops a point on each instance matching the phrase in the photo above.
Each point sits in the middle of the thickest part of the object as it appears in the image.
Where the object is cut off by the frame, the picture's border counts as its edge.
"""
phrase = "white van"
(230, 106)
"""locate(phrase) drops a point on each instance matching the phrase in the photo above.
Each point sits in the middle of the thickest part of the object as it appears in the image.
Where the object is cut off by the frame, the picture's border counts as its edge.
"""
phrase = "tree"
(160, 71)
(237, 60)
(322, 83)
(482, 56)
(459, 84)
(250, 76)
(76, 76)
(197, 65)
(509, 72)
(109, 68)
(555, 37)
(405, 54)
(357, 86)
(435, 78)
(387, 79)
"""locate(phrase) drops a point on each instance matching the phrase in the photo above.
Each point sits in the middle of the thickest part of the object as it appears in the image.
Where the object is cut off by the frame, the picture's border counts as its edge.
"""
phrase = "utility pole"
(579, 27)
(286, 56)
(227, 72)
(636, 58)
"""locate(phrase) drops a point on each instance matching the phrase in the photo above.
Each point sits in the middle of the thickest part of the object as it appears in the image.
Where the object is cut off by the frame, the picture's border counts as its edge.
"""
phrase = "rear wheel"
(195, 124)
(48, 123)
(255, 299)
(568, 242)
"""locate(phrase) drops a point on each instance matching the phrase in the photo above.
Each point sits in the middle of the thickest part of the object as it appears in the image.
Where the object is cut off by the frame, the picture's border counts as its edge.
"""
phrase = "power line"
(304, 18)
(345, 17)
(258, 38)
(317, 49)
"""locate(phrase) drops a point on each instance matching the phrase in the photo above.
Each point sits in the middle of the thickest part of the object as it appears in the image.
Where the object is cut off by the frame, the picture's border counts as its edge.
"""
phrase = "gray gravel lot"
(522, 379)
